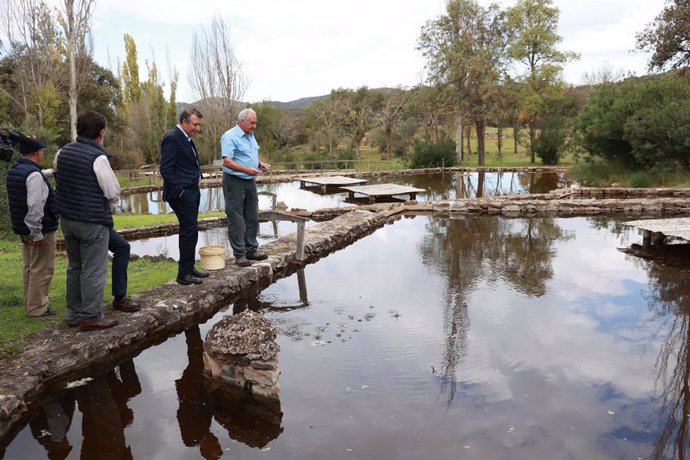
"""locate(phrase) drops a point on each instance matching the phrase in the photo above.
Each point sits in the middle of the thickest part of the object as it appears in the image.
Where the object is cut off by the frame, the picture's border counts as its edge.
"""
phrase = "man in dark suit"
(181, 174)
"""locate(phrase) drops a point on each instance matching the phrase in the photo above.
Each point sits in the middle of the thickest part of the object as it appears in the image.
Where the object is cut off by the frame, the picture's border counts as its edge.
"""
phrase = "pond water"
(432, 338)
(438, 186)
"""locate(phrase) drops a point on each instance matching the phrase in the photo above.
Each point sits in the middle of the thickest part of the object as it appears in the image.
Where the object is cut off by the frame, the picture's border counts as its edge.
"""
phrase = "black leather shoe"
(49, 312)
(257, 256)
(199, 273)
(188, 279)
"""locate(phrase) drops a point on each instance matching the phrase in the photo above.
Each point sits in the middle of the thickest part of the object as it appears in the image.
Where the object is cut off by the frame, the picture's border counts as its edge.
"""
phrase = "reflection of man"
(194, 414)
(104, 418)
(241, 164)
(50, 424)
(34, 216)
(87, 188)
(181, 174)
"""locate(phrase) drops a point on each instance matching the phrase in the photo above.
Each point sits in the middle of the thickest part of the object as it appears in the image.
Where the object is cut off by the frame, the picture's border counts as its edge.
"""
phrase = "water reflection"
(439, 186)
(436, 338)
(104, 415)
(668, 297)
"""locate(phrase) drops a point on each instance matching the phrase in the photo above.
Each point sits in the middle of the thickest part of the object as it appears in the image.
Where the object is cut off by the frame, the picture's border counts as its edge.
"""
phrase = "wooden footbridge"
(654, 230)
(353, 186)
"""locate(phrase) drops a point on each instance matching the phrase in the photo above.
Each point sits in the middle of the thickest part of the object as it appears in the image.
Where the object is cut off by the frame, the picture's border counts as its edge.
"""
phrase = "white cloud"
(308, 47)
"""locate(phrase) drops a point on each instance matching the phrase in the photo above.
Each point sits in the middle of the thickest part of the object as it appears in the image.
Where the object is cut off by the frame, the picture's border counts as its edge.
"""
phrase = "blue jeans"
(242, 210)
(120, 249)
(186, 209)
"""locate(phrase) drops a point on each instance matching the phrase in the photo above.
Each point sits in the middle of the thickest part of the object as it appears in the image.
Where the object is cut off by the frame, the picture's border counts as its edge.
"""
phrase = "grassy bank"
(14, 325)
(606, 174)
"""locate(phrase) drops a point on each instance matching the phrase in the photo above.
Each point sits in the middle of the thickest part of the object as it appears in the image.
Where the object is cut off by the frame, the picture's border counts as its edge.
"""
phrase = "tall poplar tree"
(534, 41)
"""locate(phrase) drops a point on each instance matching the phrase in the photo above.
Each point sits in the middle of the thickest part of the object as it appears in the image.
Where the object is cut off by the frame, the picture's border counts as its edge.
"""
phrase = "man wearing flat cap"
(34, 216)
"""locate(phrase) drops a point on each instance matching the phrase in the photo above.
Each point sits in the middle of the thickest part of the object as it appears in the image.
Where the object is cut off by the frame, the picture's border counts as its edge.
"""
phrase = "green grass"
(599, 173)
(14, 325)
(145, 220)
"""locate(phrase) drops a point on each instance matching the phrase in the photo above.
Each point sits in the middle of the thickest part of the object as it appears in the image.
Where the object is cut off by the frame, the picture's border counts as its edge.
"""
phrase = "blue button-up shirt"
(241, 148)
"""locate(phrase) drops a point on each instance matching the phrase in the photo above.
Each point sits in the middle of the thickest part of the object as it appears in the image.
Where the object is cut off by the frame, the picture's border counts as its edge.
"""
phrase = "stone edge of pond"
(57, 353)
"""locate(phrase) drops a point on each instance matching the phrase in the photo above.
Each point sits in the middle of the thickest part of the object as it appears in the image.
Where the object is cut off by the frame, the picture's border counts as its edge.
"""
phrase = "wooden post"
(646, 238)
(300, 241)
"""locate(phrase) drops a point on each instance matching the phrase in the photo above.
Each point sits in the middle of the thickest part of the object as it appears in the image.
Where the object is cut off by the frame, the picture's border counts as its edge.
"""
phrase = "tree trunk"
(532, 142)
(468, 137)
(499, 143)
(480, 127)
(459, 154)
(73, 91)
(516, 135)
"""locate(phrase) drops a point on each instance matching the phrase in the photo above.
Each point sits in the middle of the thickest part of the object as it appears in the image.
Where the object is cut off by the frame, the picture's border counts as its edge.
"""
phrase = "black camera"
(9, 138)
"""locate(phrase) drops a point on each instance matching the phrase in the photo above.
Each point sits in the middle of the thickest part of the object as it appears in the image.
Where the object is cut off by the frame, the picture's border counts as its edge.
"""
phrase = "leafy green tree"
(429, 106)
(556, 127)
(465, 48)
(668, 37)
(433, 155)
(533, 25)
(641, 123)
(325, 119)
(358, 119)
(388, 113)
(130, 72)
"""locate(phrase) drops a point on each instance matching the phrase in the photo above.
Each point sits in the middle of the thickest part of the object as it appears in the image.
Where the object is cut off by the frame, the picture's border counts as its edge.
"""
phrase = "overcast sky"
(300, 48)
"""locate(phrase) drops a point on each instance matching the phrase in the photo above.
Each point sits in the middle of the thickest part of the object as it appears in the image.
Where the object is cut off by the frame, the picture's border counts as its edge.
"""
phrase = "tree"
(32, 63)
(466, 49)
(640, 122)
(357, 119)
(325, 121)
(668, 37)
(130, 72)
(388, 112)
(533, 25)
(429, 105)
(217, 79)
(76, 25)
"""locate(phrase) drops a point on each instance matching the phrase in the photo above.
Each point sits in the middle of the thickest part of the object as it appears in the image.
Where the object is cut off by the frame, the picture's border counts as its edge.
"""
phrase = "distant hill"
(297, 104)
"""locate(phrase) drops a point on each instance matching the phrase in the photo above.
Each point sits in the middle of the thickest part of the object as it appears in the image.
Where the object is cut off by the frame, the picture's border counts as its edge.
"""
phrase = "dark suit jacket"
(179, 164)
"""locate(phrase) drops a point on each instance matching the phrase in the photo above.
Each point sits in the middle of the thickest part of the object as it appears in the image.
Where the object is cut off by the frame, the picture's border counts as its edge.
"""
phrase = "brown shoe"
(96, 324)
(126, 304)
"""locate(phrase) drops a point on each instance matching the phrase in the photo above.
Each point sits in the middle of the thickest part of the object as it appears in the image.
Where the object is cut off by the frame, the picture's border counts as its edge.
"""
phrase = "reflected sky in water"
(438, 186)
(472, 338)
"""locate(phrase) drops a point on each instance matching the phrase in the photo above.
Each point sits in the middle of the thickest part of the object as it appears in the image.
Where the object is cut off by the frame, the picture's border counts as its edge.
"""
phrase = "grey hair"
(244, 112)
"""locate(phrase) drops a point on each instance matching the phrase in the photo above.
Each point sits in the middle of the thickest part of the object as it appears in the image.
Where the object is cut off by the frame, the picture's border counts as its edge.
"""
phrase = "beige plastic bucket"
(212, 257)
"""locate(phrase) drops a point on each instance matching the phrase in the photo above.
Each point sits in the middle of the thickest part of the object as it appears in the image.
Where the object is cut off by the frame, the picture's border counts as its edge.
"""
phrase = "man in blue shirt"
(241, 165)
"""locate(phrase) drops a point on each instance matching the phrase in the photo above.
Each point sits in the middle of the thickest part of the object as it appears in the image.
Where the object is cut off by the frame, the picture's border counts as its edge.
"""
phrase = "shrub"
(433, 155)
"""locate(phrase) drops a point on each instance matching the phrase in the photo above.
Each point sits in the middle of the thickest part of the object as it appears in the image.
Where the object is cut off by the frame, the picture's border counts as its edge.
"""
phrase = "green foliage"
(668, 37)
(638, 122)
(555, 129)
(433, 155)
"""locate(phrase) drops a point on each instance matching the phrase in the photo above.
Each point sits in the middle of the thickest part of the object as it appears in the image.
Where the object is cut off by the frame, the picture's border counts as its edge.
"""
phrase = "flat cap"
(27, 144)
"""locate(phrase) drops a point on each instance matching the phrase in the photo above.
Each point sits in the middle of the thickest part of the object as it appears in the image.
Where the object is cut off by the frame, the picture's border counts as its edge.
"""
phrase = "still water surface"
(433, 338)
(438, 186)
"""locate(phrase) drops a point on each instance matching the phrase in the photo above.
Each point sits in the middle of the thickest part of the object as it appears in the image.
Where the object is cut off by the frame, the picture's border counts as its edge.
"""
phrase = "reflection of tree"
(669, 295)
(518, 252)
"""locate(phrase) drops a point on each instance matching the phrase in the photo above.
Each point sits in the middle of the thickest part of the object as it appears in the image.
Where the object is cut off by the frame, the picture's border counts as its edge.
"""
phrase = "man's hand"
(264, 166)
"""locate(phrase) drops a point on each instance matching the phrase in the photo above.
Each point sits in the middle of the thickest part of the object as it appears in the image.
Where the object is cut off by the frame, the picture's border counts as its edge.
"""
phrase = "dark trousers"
(242, 210)
(120, 249)
(186, 209)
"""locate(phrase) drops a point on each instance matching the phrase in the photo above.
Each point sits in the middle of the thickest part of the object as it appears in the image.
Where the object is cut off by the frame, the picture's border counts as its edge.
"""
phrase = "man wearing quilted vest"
(34, 216)
(87, 189)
